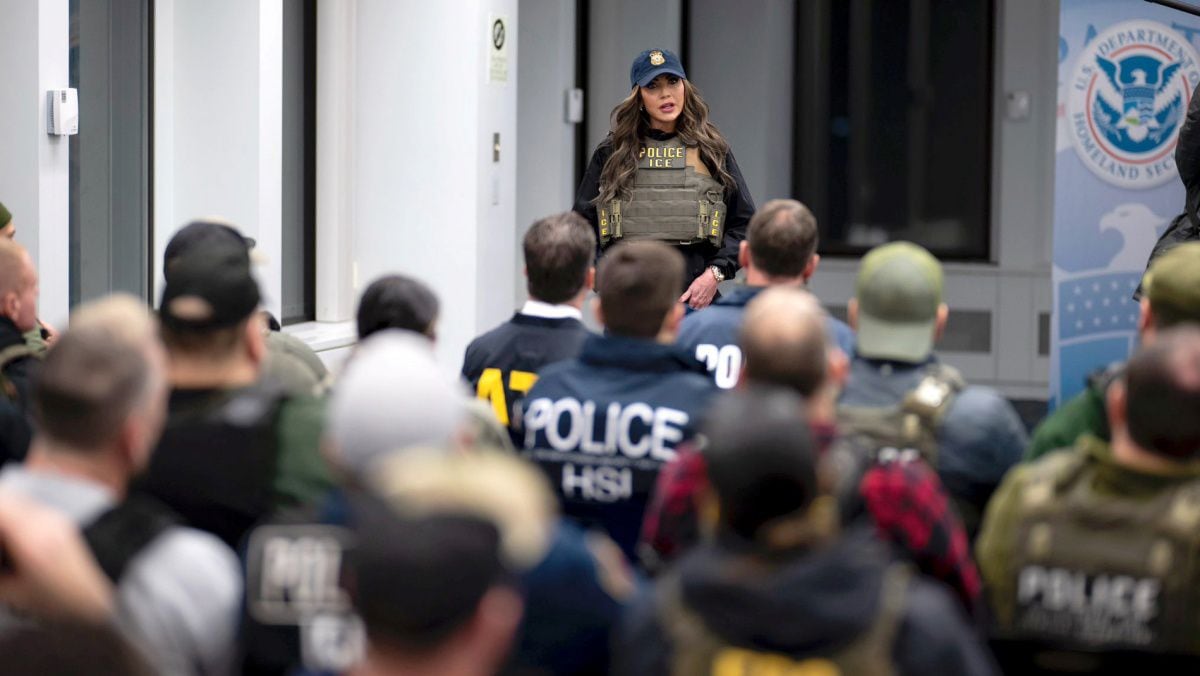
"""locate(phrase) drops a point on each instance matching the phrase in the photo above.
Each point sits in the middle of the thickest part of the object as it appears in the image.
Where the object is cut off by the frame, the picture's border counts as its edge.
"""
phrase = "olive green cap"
(5, 215)
(1173, 285)
(899, 289)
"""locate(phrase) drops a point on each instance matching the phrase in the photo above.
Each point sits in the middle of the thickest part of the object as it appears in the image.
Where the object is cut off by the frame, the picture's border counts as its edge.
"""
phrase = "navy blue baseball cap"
(652, 63)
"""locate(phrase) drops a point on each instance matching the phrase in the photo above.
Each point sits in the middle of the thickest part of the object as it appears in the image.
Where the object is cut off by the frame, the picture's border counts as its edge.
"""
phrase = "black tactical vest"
(215, 464)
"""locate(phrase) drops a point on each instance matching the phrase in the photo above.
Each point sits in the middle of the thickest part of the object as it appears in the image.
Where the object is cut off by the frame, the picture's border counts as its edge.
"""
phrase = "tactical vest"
(8, 355)
(215, 464)
(297, 618)
(910, 427)
(669, 200)
(1092, 570)
(905, 432)
(117, 536)
(698, 651)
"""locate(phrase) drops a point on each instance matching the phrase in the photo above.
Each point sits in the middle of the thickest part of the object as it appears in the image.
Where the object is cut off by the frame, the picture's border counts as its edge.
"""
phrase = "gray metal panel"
(619, 31)
(110, 191)
(741, 61)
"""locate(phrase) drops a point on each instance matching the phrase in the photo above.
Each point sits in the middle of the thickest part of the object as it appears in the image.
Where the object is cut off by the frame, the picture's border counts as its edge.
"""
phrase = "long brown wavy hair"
(629, 125)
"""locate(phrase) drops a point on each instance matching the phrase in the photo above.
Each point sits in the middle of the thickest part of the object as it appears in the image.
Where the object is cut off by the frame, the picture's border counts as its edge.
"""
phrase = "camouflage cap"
(899, 289)
(1172, 284)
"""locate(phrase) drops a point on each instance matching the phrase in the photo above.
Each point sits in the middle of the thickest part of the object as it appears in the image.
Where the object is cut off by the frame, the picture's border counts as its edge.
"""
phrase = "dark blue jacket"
(602, 425)
(979, 439)
(711, 334)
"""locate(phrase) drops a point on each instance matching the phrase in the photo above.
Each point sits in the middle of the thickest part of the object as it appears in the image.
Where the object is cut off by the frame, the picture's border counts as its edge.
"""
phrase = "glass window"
(109, 212)
(299, 161)
(893, 126)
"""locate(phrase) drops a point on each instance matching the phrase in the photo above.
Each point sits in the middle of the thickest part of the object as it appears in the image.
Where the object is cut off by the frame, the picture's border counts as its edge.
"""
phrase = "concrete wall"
(35, 172)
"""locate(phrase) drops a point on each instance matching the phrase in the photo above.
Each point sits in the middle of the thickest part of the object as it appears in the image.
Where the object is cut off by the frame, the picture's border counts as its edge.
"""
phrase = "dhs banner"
(1126, 70)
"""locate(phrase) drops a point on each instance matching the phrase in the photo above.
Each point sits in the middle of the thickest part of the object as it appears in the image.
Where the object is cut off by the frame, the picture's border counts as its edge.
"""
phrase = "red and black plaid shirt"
(906, 501)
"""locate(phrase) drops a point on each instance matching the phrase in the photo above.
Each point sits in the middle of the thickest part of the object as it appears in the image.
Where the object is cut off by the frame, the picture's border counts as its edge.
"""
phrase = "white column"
(546, 155)
(336, 105)
(429, 202)
(218, 123)
(34, 179)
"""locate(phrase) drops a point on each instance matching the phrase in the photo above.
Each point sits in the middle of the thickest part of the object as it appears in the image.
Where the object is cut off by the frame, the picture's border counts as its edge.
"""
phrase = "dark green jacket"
(1082, 414)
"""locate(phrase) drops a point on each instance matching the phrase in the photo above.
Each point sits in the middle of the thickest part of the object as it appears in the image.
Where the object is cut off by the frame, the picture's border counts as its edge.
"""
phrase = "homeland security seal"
(1129, 95)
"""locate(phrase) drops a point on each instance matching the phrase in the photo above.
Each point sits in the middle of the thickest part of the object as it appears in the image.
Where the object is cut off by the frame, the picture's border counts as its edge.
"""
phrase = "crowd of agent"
(752, 488)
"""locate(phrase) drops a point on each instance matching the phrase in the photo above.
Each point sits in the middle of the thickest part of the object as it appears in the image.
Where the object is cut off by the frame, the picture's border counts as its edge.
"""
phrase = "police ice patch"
(1129, 94)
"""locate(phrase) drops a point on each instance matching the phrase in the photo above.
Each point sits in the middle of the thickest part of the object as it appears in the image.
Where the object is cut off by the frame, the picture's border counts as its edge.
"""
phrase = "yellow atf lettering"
(521, 381)
(739, 662)
(491, 389)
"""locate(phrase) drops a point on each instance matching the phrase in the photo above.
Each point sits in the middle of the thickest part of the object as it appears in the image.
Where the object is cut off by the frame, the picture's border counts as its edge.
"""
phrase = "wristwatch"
(717, 273)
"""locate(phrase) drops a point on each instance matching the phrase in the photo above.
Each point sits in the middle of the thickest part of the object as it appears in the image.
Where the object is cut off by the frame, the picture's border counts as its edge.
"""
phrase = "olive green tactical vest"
(669, 201)
(697, 651)
(7, 356)
(908, 430)
(1097, 569)
(909, 427)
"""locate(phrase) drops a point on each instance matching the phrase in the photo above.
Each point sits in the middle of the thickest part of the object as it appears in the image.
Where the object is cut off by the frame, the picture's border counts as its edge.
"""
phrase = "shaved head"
(784, 340)
(18, 285)
(13, 259)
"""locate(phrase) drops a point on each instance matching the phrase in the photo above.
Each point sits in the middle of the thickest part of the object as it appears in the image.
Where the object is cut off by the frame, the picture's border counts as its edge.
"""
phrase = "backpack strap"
(121, 533)
(695, 645)
(9, 355)
(871, 653)
(934, 393)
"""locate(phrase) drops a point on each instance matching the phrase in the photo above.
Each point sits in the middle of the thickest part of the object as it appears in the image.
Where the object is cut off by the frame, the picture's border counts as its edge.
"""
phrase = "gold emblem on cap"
(657, 58)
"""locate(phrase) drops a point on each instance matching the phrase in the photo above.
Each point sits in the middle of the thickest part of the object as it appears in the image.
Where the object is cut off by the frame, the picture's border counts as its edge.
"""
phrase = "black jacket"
(16, 428)
(1186, 226)
(810, 606)
(738, 204)
(522, 344)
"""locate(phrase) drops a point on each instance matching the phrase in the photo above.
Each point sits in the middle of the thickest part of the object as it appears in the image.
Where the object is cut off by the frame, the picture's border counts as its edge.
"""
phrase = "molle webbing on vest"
(912, 424)
(669, 201)
(9, 355)
(1092, 568)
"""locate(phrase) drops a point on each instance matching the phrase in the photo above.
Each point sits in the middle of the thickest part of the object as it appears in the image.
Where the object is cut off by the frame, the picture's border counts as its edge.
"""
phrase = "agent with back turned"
(601, 425)
(101, 403)
(1089, 556)
(907, 403)
(778, 587)
(236, 446)
(502, 364)
(780, 250)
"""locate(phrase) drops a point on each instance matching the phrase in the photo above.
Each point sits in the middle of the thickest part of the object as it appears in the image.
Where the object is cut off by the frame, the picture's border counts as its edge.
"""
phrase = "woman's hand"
(701, 292)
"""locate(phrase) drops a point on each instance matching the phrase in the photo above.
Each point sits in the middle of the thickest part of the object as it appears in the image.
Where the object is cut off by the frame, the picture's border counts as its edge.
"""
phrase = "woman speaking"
(664, 172)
